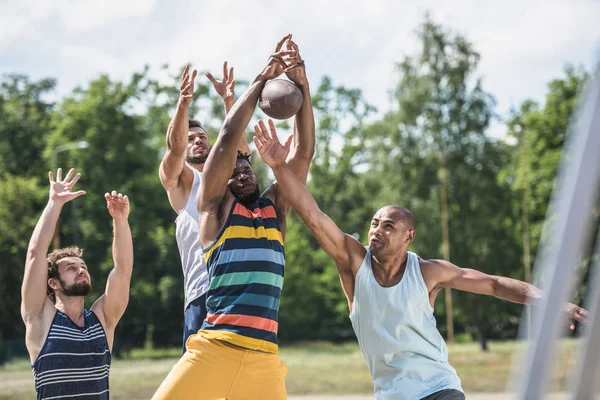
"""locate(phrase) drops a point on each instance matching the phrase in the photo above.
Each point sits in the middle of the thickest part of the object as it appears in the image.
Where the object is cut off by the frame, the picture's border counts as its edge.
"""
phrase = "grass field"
(315, 368)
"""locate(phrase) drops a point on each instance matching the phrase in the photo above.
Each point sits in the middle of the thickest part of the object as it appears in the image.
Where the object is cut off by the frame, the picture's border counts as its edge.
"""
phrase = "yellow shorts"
(212, 370)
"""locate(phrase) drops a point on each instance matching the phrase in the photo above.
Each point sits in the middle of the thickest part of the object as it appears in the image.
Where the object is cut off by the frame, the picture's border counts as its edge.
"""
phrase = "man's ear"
(53, 283)
(411, 235)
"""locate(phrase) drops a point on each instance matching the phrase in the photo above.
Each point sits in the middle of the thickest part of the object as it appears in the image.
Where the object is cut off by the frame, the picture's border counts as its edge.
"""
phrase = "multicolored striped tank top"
(74, 362)
(245, 266)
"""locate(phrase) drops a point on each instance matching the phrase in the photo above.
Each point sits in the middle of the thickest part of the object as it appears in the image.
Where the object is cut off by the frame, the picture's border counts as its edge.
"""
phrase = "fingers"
(75, 179)
(282, 41)
(193, 76)
(50, 176)
(69, 174)
(78, 193)
(294, 66)
(184, 76)
(59, 175)
(272, 129)
(211, 78)
(231, 74)
(261, 132)
(288, 143)
(257, 142)
(225, 71)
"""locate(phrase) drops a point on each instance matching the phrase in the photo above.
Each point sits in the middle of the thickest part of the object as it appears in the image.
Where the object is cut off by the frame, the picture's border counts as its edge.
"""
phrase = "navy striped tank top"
(74, 362)
(245, 266)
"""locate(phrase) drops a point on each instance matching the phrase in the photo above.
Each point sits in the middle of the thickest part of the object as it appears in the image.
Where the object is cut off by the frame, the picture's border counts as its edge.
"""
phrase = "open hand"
(61, 189)
(268, 145)
(276, 64)
(186, 89)
(226, 86)
(117, 204)
(575, 313)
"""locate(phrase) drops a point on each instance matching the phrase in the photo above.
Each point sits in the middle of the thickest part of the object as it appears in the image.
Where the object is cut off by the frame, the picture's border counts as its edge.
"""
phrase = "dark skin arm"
(440, 274)
(214, 195)
(345, 250)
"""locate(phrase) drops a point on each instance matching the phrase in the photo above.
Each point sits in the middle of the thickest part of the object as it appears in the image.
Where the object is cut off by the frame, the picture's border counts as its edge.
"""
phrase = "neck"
(197, 167)
(389, 266)
(72, 306)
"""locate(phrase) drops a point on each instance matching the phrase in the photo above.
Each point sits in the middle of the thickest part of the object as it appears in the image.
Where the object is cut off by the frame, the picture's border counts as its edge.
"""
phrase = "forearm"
(295, 193)
(240, 114)
(122, 246)
(305, 123)
(516, 291)
(45, 227)
(178, 130)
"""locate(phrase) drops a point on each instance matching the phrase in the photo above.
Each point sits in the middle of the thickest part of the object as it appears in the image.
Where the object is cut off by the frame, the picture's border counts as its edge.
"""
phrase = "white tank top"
(397, 333)
(195, 275)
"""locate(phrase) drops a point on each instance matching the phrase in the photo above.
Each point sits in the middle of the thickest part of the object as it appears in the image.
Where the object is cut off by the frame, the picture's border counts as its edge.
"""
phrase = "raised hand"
(296, 71)
(186, 89)
(117, 204)
(268, 145)
(575, 313)
(276, 64)
(226, 86)
(61, 189)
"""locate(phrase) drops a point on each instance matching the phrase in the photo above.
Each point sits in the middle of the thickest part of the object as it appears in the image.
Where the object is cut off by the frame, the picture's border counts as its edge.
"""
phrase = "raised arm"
(226, 89)
(34, 288)
(112, 304)
(221, 160)
(304, 122)
(445, 274)
(345, 250)
(173, 170)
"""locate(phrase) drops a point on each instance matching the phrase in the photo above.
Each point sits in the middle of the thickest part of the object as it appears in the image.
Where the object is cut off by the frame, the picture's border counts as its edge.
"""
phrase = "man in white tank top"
(180, 173)
(391, 291)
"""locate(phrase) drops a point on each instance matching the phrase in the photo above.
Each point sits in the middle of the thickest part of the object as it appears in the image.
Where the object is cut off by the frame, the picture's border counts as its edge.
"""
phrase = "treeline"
(476, 198)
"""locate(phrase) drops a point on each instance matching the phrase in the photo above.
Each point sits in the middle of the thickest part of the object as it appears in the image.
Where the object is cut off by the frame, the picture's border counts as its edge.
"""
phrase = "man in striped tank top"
(70, 346)
(234, 355)
(180, 172)
(391, 291)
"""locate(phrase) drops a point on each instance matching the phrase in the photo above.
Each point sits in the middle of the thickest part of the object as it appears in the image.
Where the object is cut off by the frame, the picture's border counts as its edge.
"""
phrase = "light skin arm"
(173, 170)
(112, 304)
(226, 89)
(445, 274)
(35, 280)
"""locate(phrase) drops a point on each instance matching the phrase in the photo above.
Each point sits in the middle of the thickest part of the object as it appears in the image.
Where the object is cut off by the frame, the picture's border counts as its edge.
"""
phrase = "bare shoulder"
(37, 328)
(356, 252)
(213, 217)
(179, 190)
(435, 271)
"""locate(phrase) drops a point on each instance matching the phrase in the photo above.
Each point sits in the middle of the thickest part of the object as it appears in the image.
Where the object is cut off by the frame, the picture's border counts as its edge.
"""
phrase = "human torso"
(397, 334)
(195, 275)
(246, 267)
(74, 360)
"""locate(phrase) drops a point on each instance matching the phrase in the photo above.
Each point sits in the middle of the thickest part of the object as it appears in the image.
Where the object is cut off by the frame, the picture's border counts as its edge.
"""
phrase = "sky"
(523, 44)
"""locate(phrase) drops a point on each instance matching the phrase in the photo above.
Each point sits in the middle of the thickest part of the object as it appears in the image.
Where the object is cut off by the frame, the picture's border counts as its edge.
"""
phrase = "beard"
(248, 198)
(76, 289)
(195, 160)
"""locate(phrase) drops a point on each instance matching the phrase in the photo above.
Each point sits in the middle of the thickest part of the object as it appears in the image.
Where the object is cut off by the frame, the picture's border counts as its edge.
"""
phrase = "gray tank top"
(195, 275)
(397, 334)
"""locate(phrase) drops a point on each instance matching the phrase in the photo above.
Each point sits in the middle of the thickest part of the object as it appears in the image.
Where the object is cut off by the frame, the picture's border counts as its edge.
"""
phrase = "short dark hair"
(194, 123)
(244, 156)
(407, 217)
(53, 259)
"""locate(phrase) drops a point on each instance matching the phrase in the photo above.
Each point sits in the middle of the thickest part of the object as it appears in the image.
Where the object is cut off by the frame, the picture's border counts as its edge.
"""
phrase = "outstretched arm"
(35, 280)
(516, 291)
(221, 160)
(172, 168)
(345, 250)
(226, 89)
(113, 302)
(304, 123)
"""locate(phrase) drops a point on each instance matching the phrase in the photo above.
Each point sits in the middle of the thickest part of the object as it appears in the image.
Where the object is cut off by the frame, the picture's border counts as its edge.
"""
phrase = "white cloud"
(523, 44)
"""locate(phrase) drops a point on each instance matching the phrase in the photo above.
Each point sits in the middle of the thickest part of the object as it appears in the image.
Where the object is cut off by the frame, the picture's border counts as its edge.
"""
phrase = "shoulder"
(437, 271)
